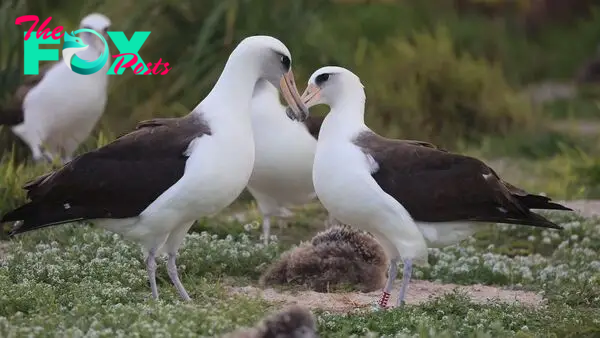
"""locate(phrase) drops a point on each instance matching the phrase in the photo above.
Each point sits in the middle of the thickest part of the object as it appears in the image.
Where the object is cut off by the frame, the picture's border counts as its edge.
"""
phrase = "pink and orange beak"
(297, 110)
(310, 97)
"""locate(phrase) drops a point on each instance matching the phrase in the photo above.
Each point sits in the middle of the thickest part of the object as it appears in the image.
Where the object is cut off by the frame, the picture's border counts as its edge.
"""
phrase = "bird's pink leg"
(151, 268)
(406, 274)
(172, 271)
(385, 295)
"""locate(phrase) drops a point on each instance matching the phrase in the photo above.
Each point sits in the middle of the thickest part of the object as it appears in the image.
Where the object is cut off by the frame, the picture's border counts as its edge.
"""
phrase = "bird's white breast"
(343, 184)
(284, 154)
(216, 172)
(219, 171)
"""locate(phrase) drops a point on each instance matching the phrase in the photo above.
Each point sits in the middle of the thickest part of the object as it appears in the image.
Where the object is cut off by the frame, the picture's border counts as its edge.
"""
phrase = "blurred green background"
(509, 81)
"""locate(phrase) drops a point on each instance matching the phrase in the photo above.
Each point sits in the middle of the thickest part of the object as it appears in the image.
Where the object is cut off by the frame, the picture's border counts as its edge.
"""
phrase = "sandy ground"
(578, 126)
(549, 91)
(588, 208)
(418, 291)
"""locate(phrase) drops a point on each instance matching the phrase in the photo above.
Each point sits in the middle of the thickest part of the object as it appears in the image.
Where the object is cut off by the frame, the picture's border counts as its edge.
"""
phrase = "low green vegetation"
(573, 109)
(75, 280)
(441, 95)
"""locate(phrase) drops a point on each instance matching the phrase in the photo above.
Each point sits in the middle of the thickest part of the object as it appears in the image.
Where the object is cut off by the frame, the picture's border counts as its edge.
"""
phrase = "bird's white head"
(273, 61)
(96, 21)
(99, 23)
(331, 85)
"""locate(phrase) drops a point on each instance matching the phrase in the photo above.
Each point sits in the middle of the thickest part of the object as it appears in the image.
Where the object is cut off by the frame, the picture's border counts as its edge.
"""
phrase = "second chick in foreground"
(338, 256)
(293, 322)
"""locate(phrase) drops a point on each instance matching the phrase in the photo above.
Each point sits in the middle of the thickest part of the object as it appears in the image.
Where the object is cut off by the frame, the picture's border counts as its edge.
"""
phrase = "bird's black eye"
(322, 78)
(286, 62)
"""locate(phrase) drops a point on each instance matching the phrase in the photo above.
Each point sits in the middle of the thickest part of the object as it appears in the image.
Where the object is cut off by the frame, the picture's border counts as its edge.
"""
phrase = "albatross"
(410, 195)
(58, 108)
(284, 153)
(152, 184)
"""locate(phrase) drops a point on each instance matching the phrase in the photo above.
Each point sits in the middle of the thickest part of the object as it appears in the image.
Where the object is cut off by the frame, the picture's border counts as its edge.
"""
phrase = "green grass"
(578, 108)
(80, 281)
(307, 220)
(455, 316)
(533, 146)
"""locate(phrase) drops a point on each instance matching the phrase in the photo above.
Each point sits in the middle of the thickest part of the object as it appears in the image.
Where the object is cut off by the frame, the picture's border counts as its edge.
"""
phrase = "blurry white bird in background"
(58, 108)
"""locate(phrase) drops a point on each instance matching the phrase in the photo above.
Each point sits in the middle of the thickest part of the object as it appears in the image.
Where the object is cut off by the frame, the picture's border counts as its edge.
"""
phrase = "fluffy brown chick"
(292, 322)
(338, 256)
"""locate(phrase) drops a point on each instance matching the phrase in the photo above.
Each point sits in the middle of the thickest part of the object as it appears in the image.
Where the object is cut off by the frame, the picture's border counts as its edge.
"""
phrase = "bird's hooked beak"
(296, 108)
(310, 97)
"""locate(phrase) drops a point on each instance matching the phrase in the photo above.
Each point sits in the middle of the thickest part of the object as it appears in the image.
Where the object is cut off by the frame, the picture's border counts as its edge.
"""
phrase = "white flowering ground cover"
(77, 281)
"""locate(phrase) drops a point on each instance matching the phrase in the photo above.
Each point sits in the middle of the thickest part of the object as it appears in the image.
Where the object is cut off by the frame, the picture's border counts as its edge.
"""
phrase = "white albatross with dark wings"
(56, 110)
(408, 194)
(153, 183)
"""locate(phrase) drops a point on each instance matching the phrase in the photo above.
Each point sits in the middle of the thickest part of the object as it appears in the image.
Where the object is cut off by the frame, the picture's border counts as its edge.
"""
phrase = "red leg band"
(383, 301)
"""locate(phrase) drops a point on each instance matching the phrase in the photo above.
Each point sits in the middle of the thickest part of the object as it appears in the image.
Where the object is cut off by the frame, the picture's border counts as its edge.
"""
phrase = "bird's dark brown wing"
(438, 186)
(420, 143)
(313, 124)
(118, 180)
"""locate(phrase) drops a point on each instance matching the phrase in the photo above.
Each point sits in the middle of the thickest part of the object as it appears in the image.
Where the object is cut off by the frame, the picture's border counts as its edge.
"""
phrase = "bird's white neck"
(228, 103)
(265, 101)
(346, 117)
(264, 89)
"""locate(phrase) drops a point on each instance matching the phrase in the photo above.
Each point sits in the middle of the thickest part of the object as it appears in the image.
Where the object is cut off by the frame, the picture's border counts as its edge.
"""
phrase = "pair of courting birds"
(56, 110)
(150, 185)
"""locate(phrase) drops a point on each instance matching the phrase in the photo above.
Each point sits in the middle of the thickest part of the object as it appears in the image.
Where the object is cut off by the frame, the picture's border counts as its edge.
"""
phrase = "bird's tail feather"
(540, 202)
(531, 219)
(32, 217)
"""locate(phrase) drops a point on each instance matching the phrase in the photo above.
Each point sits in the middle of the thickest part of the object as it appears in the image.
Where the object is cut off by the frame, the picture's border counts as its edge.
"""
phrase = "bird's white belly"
(348, 199)
(284, 159)
(441, 234)
(288, 180)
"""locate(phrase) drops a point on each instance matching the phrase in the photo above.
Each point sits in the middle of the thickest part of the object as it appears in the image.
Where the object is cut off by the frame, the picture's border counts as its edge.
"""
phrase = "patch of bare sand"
(587, 208)
(419, 291)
